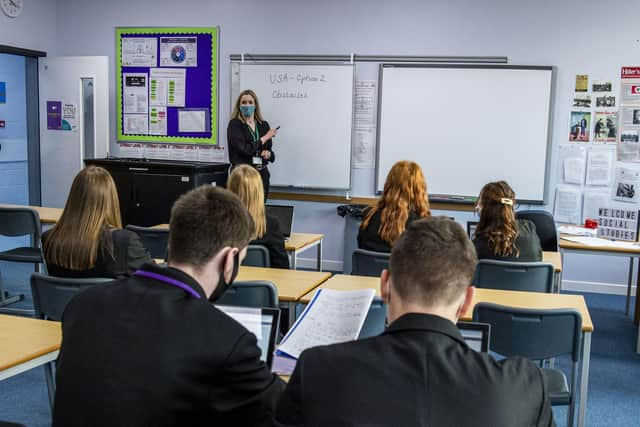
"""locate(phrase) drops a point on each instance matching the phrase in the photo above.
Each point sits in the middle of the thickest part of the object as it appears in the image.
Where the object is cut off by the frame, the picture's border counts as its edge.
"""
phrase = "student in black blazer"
(403, 200)
(499, 235)
(244, 181)
(151, 350)
(250, 138)
(420, 371)
(88, 240)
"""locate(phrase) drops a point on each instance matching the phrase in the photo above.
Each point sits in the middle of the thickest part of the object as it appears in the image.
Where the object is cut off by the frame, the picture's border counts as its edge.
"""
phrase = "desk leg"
(629, 285)
(584, 378)
(319, 255)
(292, 260)
(636, 317)
(292, 313)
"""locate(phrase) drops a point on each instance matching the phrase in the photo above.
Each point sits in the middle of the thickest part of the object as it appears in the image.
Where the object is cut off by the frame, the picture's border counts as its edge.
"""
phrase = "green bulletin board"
(167, 84)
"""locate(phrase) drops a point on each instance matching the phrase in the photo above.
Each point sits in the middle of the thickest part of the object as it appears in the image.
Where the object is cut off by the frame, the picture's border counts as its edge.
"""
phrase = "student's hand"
(265, 154)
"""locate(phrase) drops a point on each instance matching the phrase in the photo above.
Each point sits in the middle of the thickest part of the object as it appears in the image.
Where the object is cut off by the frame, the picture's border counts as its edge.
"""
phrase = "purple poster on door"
(54, 115)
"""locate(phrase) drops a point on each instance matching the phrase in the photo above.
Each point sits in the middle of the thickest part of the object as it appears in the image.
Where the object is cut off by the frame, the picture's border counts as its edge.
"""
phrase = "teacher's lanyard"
(168, 281)
(256, 134)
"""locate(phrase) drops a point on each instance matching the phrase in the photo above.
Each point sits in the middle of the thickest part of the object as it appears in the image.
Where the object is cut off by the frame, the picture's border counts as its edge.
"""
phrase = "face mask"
(222, 284)
(247, 110)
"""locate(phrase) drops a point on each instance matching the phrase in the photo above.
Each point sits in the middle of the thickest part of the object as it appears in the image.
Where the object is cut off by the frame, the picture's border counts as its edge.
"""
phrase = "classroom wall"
(576, 36)
(34, 29)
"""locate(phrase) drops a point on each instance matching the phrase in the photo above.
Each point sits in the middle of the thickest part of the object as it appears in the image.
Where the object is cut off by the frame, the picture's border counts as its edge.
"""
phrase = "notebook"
(476, 335)
(262, 322)
(284, 215)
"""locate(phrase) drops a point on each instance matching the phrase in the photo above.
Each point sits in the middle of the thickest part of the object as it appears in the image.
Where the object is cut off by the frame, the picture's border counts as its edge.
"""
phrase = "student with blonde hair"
(404, 199)
(499, 235)
(88, 240)
(245, 182)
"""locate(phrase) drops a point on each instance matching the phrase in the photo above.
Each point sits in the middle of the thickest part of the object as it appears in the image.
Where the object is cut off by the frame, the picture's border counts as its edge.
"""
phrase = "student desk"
(535, 300)
(296, 243)
(567, 246)
(47, 215)
(27, 343)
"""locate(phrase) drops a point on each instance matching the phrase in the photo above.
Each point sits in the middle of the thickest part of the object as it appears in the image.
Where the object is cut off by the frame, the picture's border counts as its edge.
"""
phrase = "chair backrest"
(514, 275)
(20, 222)
(52, 294)
(545, 228)
(375, 321)
(369, 263)
(531, 333)
(257, 256)
(257, 293)
(155, 240)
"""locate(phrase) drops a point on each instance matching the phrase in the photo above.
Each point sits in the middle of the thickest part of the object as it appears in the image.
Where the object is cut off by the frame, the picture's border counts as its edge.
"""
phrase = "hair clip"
(506, 201)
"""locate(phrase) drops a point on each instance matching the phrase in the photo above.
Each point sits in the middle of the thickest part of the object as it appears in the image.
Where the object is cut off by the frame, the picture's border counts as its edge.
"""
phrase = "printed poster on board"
(54, 115)
(3, 92)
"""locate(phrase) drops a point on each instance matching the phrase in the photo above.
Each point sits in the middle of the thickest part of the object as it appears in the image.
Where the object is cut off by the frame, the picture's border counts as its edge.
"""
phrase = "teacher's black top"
(243, 145)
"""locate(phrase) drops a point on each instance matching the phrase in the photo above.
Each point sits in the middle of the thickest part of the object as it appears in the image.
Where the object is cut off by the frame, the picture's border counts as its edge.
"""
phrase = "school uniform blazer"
(527, 242)
(369, 237)
(419, 372)
(141, 352)
(273, 240)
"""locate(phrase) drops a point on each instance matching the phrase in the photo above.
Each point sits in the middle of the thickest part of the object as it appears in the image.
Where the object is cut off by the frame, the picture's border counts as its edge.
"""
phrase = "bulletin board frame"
(201, 84)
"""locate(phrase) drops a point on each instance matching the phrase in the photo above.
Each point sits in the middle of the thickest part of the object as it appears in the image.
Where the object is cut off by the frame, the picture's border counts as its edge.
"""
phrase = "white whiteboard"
(313, 104)
(466, 126)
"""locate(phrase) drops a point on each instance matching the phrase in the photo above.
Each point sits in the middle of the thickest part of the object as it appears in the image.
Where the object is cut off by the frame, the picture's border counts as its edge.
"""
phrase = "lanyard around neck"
(168, 281)
(256, 134)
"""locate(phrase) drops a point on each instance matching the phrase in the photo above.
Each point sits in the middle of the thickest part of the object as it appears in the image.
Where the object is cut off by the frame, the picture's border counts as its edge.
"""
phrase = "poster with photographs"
(606, 101)
(582, 101)
(629, 146)
(605, 128)
(630, 86)
(625, 185)
(602, 86)
(582, 82)
(580, 126)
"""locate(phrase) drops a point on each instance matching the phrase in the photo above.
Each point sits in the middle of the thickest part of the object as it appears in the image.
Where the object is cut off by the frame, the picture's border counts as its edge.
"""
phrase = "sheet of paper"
(192, 120)
(594, 201)
(629, 146)
(574, 170)
(625, 186)
(250, 318)
(211, 154)
(576, 231)
(568, 205)
(184, 152)
(158, 121)
(70, 117)
(599, 166)
(597, 241)
(139, 52)
(175, 83)
(136, 124)
(135, 94)
(364, 124)
(129, 150)
(179, 51)
(158, 91)
(331, 317)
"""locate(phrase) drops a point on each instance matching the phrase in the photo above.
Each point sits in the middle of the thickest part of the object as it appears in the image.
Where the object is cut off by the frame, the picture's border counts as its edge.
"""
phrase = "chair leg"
(51, 388)
(5, 298)
(571, 411)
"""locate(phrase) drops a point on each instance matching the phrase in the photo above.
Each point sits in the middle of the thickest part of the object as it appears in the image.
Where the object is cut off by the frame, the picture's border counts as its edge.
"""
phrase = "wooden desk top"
(509, 298)
(554, 258)
(566, 244)
(291, 284)
(47, 215)
(23, 339)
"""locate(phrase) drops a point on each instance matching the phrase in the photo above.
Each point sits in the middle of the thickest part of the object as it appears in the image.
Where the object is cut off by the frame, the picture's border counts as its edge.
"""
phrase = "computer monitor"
(262, 322)
(284, 215)
(476, 335)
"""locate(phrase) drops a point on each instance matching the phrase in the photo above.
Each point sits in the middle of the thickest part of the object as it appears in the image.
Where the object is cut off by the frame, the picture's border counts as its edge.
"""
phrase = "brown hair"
(497, 218)
(236, 114)
(246, 183)
(405, 190)
(91, 211)
(204, 221)
(433, 262)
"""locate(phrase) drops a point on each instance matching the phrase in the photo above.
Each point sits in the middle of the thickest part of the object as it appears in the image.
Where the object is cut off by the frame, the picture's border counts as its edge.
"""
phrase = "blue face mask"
(247, 110)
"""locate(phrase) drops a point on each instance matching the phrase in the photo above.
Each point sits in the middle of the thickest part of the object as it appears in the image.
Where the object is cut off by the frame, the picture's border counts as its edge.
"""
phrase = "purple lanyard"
(167, 280)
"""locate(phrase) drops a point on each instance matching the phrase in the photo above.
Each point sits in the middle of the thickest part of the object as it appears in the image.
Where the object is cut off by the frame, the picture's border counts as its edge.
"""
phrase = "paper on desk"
(597, 241)
(331, 317)
(250, 318)
(575, 231)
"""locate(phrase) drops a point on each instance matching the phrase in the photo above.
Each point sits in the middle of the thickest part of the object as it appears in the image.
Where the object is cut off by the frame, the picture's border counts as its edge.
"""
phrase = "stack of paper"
(597, 241)
(576, 231)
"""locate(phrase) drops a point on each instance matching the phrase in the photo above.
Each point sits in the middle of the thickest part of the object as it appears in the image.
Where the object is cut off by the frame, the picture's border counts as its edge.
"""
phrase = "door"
(74, 120)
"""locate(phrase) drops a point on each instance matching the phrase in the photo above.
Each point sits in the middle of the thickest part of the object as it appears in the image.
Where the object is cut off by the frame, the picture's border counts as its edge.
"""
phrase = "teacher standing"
(249, 137)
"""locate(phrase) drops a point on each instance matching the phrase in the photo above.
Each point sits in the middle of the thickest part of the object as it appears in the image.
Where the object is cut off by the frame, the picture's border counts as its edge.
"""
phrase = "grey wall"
(34, 29)
(577, 36)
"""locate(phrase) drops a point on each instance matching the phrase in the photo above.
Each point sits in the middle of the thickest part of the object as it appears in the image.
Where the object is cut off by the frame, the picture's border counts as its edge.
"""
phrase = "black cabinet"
(147, 188)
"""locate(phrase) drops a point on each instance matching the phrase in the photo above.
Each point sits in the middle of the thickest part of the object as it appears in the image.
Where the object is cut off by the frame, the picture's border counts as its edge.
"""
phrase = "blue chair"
(545, 228)
(514, 275)
(375, 321)
(369, 263)
(156, 240)
(257, 294)
(538, 335)
(50, 297)
(257, 256)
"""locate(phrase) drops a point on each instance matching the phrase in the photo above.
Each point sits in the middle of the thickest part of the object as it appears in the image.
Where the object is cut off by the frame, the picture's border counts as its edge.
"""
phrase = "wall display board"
(167, 85)
(313, 105)
(467, 125)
